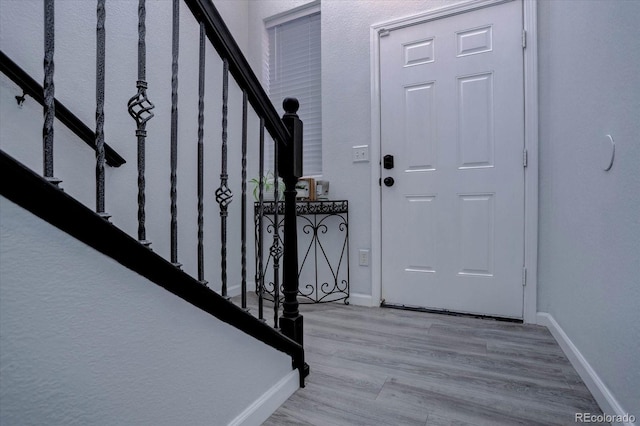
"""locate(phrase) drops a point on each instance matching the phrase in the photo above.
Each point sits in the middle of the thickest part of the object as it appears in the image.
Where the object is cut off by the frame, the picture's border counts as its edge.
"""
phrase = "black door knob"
(389, 181)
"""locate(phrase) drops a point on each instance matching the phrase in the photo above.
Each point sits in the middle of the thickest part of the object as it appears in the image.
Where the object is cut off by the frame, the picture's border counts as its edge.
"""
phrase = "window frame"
(306, 10)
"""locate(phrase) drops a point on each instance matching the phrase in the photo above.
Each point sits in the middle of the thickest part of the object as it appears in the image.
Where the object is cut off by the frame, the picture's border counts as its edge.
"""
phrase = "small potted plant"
(269, 183)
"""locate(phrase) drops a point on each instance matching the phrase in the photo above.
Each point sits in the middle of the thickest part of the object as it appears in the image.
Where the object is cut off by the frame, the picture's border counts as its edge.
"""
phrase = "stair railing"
(286, 134)
(31, 88)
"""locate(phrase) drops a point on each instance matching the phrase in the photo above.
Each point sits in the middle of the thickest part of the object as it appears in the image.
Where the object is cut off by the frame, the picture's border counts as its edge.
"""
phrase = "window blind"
(294, 71)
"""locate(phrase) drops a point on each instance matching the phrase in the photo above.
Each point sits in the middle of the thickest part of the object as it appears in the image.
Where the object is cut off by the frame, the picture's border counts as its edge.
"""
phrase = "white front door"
(452, 117)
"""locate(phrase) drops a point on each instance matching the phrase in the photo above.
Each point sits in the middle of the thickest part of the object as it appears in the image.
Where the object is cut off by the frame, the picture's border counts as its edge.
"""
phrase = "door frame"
(530, 41)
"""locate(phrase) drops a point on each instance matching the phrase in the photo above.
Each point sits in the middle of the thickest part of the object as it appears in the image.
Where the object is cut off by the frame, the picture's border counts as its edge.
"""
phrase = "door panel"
(475, 121)
(452, 116)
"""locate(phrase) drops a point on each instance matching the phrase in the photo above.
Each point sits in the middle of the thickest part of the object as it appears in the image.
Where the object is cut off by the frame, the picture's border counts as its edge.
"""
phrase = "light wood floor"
(380, 366)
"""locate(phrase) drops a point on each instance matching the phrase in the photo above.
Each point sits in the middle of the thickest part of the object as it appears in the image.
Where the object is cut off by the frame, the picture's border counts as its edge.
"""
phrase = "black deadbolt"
(387, 161)
(389, 181)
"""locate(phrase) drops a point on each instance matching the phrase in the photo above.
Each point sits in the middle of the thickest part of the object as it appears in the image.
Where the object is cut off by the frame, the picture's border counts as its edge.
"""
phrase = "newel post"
(290, 169)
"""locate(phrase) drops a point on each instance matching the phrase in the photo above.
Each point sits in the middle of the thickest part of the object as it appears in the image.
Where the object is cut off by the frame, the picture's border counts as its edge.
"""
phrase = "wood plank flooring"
(380, 366)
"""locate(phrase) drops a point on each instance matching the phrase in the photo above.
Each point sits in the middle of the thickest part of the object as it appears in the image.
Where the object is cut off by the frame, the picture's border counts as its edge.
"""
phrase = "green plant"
(269, 183)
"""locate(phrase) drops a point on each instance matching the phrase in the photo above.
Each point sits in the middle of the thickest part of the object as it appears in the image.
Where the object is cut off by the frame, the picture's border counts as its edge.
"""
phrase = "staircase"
(124, 219)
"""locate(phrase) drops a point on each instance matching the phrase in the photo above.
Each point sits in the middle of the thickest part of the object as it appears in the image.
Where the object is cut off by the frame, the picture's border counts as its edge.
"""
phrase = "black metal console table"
(323, 249)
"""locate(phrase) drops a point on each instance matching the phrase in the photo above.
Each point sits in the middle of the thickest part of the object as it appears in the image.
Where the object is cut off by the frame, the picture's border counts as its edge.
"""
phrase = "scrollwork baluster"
(224, 195)
(140, 109)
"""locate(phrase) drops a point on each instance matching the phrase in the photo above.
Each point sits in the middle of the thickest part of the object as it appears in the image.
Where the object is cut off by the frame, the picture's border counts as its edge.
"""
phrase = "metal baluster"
(100, 82)
(174, 131)
(276, 250)
(201, 157)
(243, 225)
(223, 193)
(49, 92)
(139, 108)
(260, 274)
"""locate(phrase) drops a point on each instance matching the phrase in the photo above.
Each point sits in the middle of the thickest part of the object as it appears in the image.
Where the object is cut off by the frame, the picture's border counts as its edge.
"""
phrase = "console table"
(323, 249)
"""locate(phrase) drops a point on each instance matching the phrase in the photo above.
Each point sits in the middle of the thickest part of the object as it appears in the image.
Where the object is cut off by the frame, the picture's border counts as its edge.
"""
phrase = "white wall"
(236, 17)
(589, 236)
(87, 341)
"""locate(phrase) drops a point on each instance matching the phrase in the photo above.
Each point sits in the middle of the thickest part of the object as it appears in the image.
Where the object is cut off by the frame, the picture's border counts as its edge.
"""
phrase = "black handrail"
(66, 117)
(58, 208)
(220, 36)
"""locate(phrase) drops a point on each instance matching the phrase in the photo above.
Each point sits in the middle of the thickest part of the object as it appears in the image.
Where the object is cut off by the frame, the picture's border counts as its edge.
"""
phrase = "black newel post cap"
(290, 105)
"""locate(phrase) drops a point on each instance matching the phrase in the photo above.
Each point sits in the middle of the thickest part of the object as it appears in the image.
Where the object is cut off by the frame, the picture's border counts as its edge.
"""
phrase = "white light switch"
(360, 153)
(363, 257)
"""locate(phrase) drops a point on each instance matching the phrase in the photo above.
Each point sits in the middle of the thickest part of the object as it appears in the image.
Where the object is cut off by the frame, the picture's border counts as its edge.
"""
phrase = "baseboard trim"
(236, 290)
(269, 402)
(362, 300)
(603, 396)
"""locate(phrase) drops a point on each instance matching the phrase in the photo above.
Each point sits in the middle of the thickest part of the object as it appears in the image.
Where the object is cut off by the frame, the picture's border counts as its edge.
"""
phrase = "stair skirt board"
(269, 402)
(603, 396)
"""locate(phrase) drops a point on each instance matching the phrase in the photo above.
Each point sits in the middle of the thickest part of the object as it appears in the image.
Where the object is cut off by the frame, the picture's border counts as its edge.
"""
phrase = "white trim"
(235, 290)
(359, 299)
(295, 13)
(269, 402)
(530, 21)
(441, 12)
(603, 396)
(531, 141)
(376, 174)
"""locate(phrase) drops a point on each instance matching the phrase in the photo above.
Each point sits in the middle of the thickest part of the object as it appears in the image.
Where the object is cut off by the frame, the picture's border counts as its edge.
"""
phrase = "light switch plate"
(360, 153)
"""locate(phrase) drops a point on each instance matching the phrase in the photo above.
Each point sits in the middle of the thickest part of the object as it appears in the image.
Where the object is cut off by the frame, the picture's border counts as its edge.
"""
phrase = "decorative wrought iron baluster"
(100, 82)
(201, 156)
(49, 110)
(223, 193)
(140, 108)
(276, 250)
(260, 271)
(174, 131)
(243, 218)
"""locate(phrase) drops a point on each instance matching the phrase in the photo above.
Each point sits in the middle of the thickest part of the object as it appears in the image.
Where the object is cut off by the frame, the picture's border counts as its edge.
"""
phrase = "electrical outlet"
(363, 257)
(360, 153)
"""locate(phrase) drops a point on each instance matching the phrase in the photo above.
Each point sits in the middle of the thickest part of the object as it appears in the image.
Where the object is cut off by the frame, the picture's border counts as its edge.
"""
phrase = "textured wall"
(87, 341)
(589, 247)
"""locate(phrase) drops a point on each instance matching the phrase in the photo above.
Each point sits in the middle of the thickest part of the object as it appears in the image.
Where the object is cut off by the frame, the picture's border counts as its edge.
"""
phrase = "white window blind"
(294, 71)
